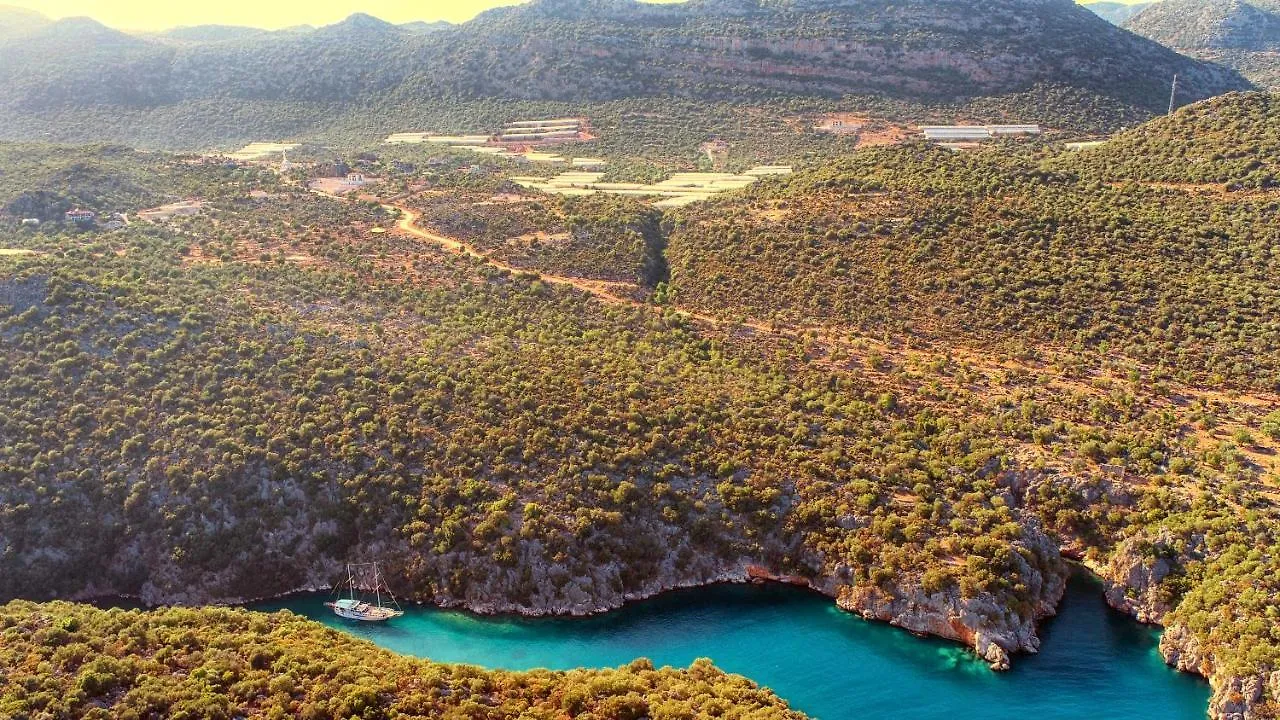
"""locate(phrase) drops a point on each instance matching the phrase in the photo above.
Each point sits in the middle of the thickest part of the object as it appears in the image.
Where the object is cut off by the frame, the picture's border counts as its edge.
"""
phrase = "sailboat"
(365, 576)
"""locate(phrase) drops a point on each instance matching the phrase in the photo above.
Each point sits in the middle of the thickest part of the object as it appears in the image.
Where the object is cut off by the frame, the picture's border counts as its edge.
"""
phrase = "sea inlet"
(1094, 662)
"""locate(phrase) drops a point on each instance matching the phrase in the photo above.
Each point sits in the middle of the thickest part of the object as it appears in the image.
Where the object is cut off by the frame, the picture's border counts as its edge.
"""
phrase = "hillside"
(1156, 252)
(1034, 60)
(912, 378)
(43, 182)
(63, 660)
(1211, 24)
(503, 443)
(1232, 140)
(19, 21)
(1003, 250)
(1116, 13)
(1242, 34)
(900, 47)
(599, 237)
(211, 33)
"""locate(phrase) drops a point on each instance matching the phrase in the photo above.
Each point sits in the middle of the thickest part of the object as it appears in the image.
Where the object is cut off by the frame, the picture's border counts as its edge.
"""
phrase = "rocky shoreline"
(942, 614)
(1131, 579)
(992, 632)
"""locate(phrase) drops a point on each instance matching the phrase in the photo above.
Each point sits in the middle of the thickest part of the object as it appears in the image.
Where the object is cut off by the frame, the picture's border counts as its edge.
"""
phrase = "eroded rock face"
(1243, 698)
(1133, 577)
(981, 623)
(991, 628)
(1182, 650)
(1234, 698)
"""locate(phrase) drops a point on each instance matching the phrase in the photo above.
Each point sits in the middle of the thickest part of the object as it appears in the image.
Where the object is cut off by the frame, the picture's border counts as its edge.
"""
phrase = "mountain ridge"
(1242, 34)
(1219, 24)
(742, 51)
(17, 20)
(1116, 13)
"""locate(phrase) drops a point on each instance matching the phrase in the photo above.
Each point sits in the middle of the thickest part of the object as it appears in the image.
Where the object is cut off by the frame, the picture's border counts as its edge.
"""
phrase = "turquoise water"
(1094, 662)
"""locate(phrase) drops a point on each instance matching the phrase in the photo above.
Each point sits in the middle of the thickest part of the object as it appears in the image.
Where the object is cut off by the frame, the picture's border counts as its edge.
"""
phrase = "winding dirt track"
(598, 288)
(602, 290)
(609, 292)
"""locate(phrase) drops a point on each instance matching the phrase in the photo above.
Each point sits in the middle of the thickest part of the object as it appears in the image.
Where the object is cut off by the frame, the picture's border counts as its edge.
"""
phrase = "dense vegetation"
(1156, 251)
(1233, 140)
(1012, 249)
(928, 372)
(342, 408)
(43, 182)
(63, 660)
(600, 237)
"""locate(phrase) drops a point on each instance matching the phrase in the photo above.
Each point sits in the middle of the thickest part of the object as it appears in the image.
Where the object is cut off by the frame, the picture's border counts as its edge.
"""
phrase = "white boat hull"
(364, 614)
(365, 578)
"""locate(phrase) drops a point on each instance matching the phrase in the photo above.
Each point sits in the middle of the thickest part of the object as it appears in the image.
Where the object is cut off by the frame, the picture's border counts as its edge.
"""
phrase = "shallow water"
(1094, 662)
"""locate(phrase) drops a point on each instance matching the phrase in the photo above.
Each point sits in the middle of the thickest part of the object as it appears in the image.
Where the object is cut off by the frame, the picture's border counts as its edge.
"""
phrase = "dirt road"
(602, 290)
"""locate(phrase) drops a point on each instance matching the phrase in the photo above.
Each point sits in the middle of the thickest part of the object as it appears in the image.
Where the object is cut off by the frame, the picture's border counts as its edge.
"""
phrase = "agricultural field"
(678, 190)
(263, 150)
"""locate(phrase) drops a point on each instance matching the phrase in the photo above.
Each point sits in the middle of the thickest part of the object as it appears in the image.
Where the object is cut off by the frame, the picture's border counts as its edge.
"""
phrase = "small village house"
(80, 216)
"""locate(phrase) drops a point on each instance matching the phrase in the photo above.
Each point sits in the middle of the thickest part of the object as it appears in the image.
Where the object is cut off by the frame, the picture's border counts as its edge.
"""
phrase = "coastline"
(918, 614)
(744, 573)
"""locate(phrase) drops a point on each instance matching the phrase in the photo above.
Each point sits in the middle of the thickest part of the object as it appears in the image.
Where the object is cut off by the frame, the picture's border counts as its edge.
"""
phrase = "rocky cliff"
(1241, 34)
(991, 628)
(538, 583)
(1138, 576)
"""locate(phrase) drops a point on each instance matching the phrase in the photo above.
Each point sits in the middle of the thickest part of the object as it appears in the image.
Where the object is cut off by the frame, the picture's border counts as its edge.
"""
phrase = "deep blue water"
(1094, 662)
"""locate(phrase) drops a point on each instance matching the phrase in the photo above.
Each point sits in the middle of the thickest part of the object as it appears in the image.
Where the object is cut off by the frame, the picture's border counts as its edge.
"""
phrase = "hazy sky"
(272, 14)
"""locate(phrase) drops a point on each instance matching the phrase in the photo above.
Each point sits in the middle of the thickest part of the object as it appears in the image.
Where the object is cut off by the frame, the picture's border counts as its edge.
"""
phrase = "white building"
(975, 133)
(1014, 129)
(555, 122)
(956, 133)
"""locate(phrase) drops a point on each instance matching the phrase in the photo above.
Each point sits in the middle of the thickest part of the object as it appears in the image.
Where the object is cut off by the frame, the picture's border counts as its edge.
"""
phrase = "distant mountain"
(75, 37)
(212, 33)
(17, 21)
(78, 60)
(1211, 24)
(359, 24)
(1242, 34)
(588, 51)
(425, 27)
(1116, 13)
(921, 49)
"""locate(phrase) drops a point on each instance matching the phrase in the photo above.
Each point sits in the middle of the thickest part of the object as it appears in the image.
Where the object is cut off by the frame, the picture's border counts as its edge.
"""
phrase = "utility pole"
(1173, 93)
